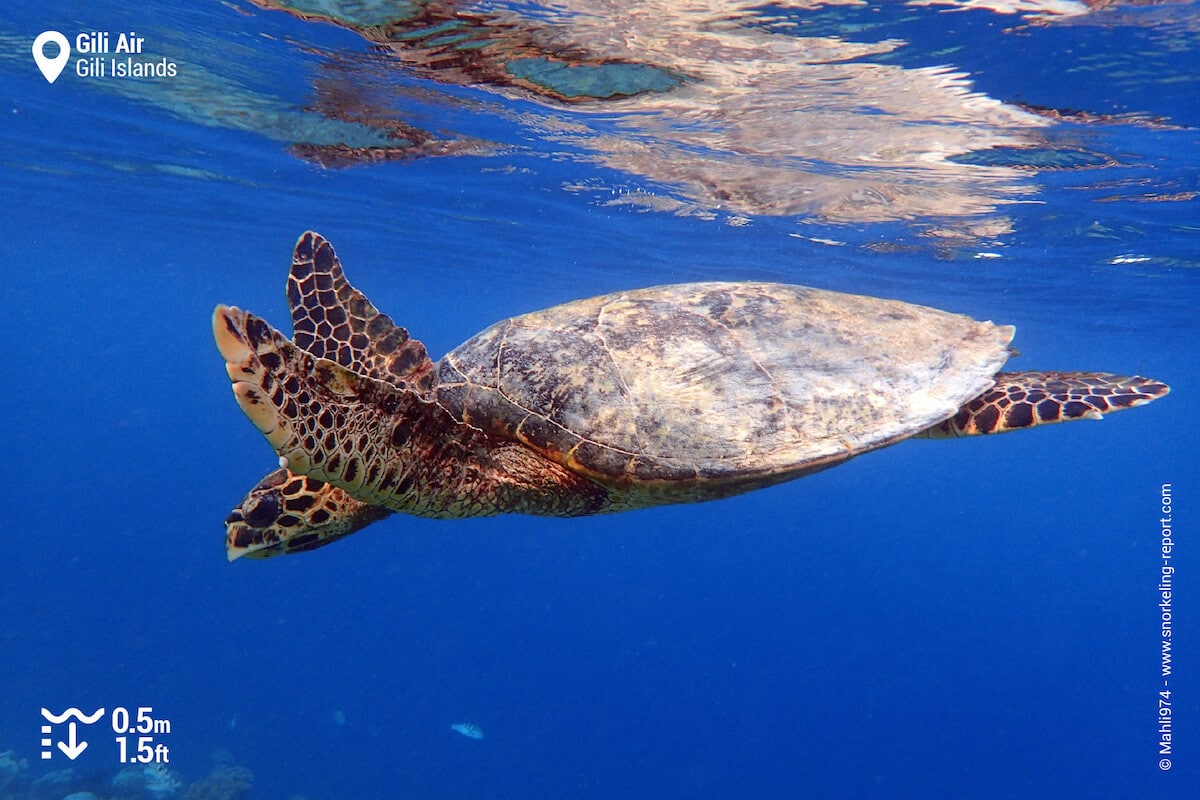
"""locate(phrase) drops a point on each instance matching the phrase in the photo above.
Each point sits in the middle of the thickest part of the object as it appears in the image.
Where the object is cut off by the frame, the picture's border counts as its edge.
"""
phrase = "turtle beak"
(244, 540)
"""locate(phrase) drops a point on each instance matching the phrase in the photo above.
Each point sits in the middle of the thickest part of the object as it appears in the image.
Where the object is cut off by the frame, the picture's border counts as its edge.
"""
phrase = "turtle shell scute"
(718, 382)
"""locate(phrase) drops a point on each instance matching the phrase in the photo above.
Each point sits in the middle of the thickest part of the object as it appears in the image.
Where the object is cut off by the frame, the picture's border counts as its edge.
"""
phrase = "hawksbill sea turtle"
(672, 394)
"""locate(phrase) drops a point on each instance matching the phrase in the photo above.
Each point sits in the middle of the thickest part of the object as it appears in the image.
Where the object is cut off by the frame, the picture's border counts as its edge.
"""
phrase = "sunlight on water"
(703, 100)
(714, 109)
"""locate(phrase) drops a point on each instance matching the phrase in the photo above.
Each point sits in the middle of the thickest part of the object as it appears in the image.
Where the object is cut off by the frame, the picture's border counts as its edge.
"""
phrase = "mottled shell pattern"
(718, 381)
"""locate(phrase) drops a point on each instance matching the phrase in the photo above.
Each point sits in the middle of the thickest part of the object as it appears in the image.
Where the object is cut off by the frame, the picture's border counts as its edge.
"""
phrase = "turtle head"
(289, 513)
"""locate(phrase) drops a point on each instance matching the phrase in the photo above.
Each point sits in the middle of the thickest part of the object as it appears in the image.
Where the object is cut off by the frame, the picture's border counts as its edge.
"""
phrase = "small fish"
(468, 729)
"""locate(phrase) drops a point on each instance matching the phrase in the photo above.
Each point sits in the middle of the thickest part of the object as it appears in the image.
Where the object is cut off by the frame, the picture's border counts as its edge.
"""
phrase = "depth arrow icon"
(72, 747)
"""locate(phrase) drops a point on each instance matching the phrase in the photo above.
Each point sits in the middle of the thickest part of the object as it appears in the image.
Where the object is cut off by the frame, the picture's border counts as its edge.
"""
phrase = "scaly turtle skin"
(289, 513)
(663, 395)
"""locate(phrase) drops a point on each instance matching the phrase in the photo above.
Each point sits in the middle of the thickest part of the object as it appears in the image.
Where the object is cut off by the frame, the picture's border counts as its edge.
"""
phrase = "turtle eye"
(264, 512)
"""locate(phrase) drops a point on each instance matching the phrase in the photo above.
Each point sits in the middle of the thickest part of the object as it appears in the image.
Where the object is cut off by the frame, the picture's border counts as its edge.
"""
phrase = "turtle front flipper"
(1026, 399)
(289, 513)
(331, 319)
(310, 409)
(383, 445)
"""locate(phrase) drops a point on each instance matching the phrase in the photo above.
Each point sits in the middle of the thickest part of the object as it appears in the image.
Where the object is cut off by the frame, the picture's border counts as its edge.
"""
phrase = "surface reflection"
(721, 106)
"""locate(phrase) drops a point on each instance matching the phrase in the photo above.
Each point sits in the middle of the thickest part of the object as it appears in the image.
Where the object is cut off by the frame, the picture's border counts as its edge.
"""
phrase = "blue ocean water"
(941, 619)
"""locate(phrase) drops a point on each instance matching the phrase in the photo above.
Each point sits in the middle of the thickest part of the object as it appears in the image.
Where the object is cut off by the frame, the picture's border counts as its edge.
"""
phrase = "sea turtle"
(670, 394)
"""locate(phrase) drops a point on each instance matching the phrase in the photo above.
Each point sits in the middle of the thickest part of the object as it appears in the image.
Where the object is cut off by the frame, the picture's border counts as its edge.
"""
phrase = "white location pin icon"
(51, 67)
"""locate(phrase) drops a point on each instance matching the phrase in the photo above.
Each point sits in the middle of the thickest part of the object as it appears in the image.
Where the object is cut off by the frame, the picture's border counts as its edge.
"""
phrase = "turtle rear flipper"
(1026, 399)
